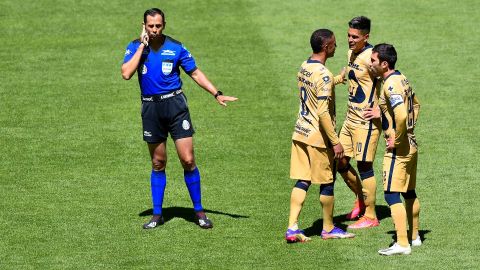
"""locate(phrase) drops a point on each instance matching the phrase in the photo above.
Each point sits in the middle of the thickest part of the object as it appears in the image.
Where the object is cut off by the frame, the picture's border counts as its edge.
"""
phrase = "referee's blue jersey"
(159, 71)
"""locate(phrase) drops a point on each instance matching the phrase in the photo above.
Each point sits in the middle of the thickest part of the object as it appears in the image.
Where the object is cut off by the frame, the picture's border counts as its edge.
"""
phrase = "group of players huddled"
(380, 98)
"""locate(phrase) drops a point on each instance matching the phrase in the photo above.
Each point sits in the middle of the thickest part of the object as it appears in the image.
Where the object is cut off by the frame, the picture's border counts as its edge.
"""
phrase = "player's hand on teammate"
(390, 143)
(222, 100)
(144, 36)
(338, 150)
(371, 113)
(342, 74)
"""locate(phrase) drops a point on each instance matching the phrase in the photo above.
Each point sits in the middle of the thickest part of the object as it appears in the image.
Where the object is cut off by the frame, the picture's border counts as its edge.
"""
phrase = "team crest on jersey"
(185, 125)
(167, 67)
(144, 69)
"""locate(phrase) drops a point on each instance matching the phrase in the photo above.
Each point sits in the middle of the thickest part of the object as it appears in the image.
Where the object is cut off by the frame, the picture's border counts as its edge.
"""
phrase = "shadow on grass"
(382, 211)
(422, 234)
(187, 214)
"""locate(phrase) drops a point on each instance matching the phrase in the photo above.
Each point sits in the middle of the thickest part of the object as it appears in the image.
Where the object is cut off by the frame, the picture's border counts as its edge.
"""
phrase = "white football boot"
(417, 241)
(396, 249)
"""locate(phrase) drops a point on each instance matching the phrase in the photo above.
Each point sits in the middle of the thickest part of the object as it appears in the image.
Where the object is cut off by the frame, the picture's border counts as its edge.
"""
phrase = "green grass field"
(74, 171)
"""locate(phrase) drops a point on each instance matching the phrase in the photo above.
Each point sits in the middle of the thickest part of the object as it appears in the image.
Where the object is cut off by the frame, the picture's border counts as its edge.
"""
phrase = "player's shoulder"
(366, 53)
(367, 50)
(393, 82)
(314, 66)
(135, 42)
(324, 72)
(172, 44)
(169, 39)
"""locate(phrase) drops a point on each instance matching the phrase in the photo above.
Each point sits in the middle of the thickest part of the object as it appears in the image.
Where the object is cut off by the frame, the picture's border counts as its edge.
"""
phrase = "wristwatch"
(219, 93)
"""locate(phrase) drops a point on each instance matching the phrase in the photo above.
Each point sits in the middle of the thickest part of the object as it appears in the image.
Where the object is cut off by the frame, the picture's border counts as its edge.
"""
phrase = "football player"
(359, 136)
(400, 159)
(315, 144)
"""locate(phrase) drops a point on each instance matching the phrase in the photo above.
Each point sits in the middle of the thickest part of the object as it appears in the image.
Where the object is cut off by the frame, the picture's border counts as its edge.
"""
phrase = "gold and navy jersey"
(363, 89)
(403, 107)
(315, 125)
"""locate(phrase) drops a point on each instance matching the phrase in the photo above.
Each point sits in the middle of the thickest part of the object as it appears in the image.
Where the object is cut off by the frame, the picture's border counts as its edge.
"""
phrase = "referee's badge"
(185, 125)
(167, 67)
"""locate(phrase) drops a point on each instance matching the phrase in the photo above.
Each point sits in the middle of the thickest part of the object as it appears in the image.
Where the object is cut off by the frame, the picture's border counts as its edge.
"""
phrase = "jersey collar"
(310, 61)
(396, 72)
(367, 46)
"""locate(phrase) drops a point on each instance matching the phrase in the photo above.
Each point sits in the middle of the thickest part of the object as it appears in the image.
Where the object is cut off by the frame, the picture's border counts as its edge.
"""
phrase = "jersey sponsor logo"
(305, 81)
(168, 52)
(128, 52)
(167, 67)
(302, 130)
(185, 125)
(144, 70)
(305, 72)
(326, 79)
(147, 133)
(355, 66)
(395, 100)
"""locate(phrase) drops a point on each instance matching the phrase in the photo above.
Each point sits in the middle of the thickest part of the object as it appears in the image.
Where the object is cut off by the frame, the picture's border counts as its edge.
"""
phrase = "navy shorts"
(161, 117)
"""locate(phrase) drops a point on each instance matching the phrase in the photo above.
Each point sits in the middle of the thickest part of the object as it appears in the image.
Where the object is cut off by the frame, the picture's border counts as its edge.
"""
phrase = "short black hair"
(319, 38)
(386, 52)
(361, 23)
(152, 12)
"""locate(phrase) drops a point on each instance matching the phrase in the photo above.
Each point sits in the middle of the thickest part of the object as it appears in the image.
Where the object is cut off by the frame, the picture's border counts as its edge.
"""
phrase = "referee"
(157, 58)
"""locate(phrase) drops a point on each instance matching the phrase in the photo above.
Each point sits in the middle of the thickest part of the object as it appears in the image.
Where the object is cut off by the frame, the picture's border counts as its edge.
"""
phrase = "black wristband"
(219, 93)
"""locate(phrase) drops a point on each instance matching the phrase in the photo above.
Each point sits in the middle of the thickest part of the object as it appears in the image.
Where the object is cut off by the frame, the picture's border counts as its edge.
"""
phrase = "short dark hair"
(319, 38)
(361, 23)
(152, 12)
(387, 53)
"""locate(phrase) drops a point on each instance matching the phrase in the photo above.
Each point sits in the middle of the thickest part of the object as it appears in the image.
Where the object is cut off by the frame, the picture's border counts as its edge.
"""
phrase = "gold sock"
(352, 180)
(327, 203)
(296, 202)
(399, 217)
(369, 191)
(413, 210)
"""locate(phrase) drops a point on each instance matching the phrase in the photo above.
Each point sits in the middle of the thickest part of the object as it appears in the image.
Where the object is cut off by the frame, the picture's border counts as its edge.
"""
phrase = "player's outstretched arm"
(340, 78)
(199, 77)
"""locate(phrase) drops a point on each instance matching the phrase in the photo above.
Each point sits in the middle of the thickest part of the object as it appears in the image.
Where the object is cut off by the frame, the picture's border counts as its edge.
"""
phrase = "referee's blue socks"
(192, 180)
(158, 181)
